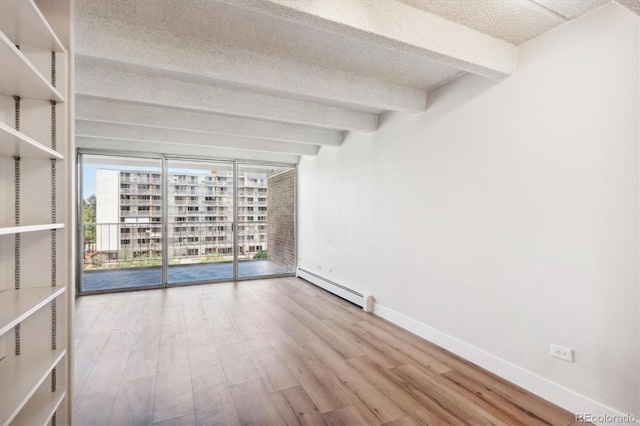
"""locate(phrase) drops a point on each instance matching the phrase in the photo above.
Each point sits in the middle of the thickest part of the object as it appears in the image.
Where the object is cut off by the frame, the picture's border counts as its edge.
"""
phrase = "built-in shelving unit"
(35, 270)
(18, 305)
(14, 143)
(24, 374)
(39, 410)
(20, 77)
(23, 23)
(10, 230)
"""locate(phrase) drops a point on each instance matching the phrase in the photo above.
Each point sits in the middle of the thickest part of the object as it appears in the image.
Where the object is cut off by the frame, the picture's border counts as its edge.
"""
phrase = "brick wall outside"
(281, 219)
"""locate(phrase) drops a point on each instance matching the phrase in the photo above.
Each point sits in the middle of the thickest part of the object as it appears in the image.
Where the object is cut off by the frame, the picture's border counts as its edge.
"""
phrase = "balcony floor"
(121, 278)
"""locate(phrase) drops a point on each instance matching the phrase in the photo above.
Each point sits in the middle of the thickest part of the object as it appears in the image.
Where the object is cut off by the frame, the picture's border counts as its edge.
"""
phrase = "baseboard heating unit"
(354, 296)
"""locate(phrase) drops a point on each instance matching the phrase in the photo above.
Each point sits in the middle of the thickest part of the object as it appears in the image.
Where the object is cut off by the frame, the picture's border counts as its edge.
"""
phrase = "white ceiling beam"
(570, 9)
(102, 110)
(514, 21)
(398, 26)
(194, 61)
(152, 134)
(97, 79)
(632, 5)
(196, 151)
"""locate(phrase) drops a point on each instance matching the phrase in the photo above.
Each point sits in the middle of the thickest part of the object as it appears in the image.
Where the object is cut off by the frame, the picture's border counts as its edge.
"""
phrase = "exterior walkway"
(108, 279)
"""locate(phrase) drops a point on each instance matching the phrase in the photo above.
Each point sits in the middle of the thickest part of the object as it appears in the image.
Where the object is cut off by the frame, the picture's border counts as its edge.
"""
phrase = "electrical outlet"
(561, 352)
(330, 270)
(319, 267)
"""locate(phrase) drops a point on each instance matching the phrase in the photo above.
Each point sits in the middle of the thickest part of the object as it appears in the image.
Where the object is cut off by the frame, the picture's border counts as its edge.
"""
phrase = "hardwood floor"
(274, 352)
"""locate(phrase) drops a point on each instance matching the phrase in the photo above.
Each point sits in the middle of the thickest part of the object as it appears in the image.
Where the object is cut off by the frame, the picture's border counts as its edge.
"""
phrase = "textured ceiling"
(276, 79)
(632, 5)
(515, 21)
(571, 9)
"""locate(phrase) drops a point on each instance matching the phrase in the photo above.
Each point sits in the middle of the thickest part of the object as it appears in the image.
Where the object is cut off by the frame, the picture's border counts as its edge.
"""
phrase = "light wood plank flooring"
(274, 352)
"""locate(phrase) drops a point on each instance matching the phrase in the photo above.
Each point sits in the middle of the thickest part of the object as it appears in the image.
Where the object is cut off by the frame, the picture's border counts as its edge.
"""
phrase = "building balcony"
(124, 255)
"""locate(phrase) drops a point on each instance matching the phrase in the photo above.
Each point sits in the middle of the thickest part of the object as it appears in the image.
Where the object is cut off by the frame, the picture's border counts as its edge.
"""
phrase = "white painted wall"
(506, 216)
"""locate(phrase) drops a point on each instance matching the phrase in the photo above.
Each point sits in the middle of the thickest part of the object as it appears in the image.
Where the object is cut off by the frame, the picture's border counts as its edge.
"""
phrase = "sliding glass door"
(148, 222)
(266, 220)
(121, 223)
(200, 221)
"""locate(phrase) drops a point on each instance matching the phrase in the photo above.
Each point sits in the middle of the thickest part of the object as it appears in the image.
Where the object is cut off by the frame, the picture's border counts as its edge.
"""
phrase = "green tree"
(262, 254)
(89, 221)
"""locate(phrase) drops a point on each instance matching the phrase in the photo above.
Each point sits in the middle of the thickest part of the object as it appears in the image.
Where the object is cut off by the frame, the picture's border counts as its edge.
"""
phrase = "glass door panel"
(121, 223)
(200, 221)
(123, 216)
(266, 220)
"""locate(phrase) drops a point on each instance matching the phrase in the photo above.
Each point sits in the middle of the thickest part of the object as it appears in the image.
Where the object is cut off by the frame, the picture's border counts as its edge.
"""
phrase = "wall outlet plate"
(561, 352)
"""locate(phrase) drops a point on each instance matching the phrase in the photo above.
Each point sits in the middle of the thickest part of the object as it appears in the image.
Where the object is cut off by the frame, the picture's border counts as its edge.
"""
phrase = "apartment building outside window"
(128, 227)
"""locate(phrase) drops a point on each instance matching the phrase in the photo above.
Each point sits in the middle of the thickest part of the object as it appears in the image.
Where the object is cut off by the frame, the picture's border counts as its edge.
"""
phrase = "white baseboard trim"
(553, 392)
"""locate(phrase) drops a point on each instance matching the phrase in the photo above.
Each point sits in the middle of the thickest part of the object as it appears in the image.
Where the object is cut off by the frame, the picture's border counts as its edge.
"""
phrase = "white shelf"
(24, 24)
(19, 76)
(21, 376)
(27, 41)
(14, 143)
(9, 230)
(17, 305)
(39, 409)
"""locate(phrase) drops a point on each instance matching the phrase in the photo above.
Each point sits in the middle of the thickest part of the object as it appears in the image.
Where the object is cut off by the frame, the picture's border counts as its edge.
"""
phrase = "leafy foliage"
(262, 254)
(89, 218)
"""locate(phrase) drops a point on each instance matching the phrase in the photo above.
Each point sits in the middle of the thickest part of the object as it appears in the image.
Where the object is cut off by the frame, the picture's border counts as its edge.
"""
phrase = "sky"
(89, 180)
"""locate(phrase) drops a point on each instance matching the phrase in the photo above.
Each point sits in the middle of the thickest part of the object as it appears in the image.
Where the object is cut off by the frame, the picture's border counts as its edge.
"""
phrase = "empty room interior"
(340, 212)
